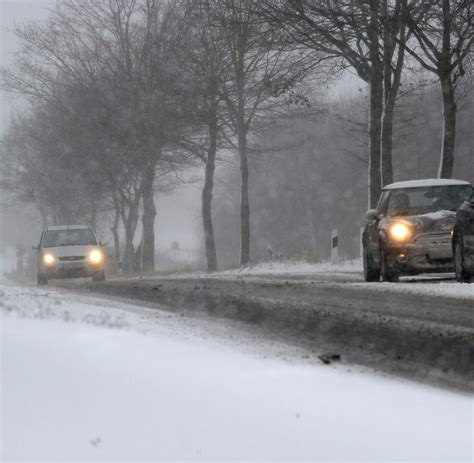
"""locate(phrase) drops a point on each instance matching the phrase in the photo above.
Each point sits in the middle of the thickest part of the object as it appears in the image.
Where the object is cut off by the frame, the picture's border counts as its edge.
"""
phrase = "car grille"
(71, 258)
(433, 239)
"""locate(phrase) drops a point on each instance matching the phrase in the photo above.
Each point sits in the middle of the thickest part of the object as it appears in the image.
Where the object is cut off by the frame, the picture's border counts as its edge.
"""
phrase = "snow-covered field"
(87, 379)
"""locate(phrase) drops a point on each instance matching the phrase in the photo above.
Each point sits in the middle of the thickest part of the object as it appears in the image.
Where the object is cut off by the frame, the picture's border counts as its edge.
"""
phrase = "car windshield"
(423, 200)
(68, 237)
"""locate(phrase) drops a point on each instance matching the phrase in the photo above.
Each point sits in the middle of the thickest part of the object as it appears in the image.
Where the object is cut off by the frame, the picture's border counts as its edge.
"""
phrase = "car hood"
(439, 221)
(66, 251)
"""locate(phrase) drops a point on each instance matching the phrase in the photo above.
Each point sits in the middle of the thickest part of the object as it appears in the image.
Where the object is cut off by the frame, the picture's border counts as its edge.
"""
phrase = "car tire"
(371, 271)
(462, 275)
(42, 279)
(99, 276)
(389, 274)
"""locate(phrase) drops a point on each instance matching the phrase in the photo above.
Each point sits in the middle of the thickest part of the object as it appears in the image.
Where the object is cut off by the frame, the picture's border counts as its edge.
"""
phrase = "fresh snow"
(296, 267)
(425, 284)
(437, 215)
(94, 380)
(429, 182)
(427, 287)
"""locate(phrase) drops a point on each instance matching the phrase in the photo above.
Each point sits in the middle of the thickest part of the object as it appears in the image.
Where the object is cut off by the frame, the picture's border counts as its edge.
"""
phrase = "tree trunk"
(211, 254)
(129, 251)
(387, 144)
(388, 108)
(244, 166)
(130, 225)
(148, 221)
(244, 197)
(114, 230)
(376, 104)
(449, 128)
(447, 91)
(375, 114)
(391, 80)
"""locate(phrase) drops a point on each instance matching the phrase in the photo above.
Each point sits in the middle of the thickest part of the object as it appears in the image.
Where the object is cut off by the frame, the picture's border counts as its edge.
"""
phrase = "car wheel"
(99, 276)
(42, 279)
(462, 275)
(371, 272)
(387, 270)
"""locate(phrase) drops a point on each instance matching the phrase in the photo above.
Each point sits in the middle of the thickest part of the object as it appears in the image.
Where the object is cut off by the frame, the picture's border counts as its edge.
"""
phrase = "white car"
(69, 251)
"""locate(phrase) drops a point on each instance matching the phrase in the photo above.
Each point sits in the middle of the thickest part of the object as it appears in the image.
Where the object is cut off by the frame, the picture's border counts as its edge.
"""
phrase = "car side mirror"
(372, 214)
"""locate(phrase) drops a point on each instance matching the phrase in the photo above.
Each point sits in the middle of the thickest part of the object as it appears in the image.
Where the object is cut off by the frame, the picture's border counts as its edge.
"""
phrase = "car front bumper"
(430, 252)
(77, 269)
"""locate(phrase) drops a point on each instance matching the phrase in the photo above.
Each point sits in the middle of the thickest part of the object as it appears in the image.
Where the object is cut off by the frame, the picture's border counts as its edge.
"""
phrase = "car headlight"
(400, 232)
(48, 259)
(95, 257)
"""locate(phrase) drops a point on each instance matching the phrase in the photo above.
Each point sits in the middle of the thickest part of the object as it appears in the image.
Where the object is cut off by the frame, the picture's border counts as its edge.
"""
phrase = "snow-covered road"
(88, 379)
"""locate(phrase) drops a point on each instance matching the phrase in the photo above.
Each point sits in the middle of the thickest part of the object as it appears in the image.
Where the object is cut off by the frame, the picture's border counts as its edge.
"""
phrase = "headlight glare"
(400, 232)
(49, 259)
(95, 257)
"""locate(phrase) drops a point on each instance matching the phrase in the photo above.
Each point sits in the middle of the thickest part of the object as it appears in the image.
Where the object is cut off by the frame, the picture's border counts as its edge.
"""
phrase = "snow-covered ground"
(88, 379)
(290, 267)
(431, 285)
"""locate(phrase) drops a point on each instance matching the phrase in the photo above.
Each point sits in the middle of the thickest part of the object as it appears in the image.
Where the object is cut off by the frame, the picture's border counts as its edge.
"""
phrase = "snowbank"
(75, 391)
(295, 267)
(424, 288)
(426, 284)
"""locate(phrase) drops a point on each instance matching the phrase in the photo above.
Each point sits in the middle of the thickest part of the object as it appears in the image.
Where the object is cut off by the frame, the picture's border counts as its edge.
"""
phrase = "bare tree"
(261, 71)
(119, 54)
(39, 159)
(395, 34)
(205, 59)
(367, 35)
(444, 32)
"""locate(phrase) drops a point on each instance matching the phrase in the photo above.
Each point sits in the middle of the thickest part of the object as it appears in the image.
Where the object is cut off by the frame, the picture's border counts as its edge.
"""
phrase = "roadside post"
(334, 245)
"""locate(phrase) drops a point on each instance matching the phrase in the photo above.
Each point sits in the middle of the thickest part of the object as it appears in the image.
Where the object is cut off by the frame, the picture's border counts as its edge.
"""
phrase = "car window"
(411, 201)
(383, 202)
(68, 237)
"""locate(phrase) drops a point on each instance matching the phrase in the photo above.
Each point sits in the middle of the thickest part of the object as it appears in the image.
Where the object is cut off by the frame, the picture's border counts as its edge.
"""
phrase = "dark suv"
(463, 241)
(410, 231)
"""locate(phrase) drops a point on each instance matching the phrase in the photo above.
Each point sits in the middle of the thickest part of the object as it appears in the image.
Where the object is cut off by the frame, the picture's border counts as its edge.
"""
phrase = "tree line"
(122, 96)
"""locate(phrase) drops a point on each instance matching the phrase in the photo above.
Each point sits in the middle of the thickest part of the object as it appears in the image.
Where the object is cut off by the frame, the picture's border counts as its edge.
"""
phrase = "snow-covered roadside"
(426, 284)
(143, 386)
(446, 289)
(296, 267)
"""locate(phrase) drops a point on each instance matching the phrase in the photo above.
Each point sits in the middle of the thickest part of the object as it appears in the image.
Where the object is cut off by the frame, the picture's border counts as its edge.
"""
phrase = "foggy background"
(178, 210)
